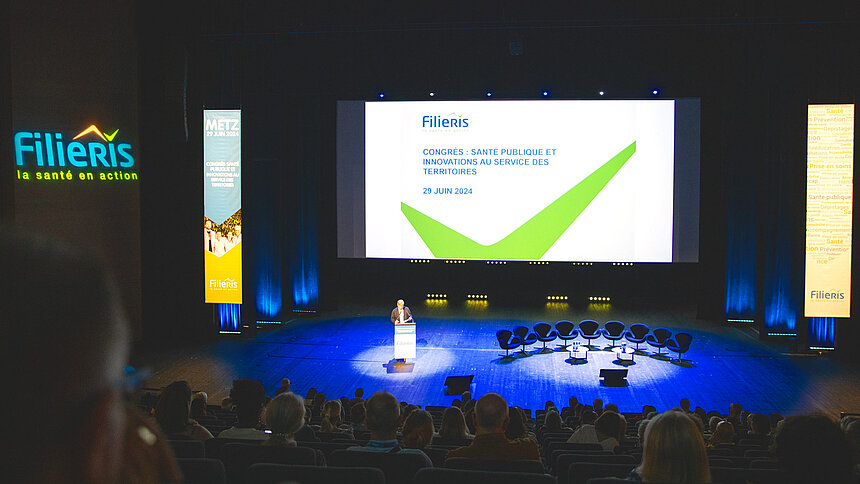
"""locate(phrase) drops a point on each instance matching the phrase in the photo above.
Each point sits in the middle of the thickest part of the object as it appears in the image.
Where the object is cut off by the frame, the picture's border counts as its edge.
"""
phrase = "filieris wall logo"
(92, 154)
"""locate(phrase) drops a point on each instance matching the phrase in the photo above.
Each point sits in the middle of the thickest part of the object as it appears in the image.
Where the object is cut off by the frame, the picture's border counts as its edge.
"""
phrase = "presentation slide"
(829, 209)
(572, 180)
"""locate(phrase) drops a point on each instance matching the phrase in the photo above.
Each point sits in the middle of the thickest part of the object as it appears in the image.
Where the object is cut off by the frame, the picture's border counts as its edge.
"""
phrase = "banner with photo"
(222, 205)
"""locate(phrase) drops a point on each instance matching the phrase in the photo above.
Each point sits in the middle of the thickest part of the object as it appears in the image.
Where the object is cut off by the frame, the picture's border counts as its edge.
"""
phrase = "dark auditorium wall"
(70, 65)
(285, 65)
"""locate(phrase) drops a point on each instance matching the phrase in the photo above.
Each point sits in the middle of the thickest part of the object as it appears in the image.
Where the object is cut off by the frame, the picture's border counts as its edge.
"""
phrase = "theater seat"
(238, 458)
(202, 471)
(187, 449)
(276, 473)
(397, 467)
(564, 461)
(581, 472)
(459, 476)
(528, 466)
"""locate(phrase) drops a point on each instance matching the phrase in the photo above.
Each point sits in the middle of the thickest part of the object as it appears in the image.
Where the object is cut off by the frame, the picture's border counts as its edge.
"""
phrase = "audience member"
(685, 405)
(643, 425)
(172, 412)
(284, 416)
(611, 407)
(724, 435)
(608, 431)
(383, 418)
(553, 423)
(598, 406)
(309, 399)
(418, 430)
(490, 443)
(759, 427)
(248, 396)
(812, 448)
(285, 387)
(357, 418)
(200, 406)
(227, 404)
(64, 416)
(673, 452)
(585, 434)
(517, 427)
(453, 427)
(466, 396)
(332, 421)
(775, 420)
(713, 422)
(470, 420)
(359, 396)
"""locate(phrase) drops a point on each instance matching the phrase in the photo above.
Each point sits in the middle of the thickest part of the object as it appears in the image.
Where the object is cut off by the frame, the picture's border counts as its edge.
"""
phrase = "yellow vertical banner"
(222, 205)
(829, 209)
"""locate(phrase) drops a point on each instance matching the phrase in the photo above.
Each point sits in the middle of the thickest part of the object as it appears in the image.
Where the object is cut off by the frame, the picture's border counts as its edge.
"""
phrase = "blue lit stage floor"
(337, 353)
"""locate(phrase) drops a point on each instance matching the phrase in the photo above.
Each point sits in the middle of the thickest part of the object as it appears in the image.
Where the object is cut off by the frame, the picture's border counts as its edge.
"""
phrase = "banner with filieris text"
(829, 209)
(222, 205)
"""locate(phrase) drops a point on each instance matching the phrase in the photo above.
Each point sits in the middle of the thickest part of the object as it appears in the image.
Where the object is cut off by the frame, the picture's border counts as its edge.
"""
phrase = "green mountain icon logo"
(531, 240)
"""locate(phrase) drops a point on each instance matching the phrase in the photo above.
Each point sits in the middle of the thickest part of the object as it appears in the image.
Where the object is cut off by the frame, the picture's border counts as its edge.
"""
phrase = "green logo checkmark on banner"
(529, 241)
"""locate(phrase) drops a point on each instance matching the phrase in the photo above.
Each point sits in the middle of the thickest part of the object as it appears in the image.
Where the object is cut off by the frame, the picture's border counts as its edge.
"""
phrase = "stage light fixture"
(545, 93)
(381, 95)
(489, 94)
(600, 92)
(655, 92)
(740, 320)
(432, 93)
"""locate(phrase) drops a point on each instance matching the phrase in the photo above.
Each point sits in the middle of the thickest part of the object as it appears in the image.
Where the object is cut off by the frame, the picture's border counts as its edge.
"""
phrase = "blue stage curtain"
(304, 260)
(822, 333)
(265, 244)
(229, 317)
(741, 280)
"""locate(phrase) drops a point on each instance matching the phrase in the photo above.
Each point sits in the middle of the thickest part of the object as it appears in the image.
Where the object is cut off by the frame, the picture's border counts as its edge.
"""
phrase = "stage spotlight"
(489, 94)
(655, 92)
(432, 93)
(381, 95)
(545, 93)
(600, 92)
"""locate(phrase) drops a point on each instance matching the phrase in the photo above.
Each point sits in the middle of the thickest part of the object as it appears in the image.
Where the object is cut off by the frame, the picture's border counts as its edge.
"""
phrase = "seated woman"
(610, 429)
(723, 436)
(284, 416)
(673, 452)
(453, 427)
(553, 423)
(417, 430)
(172, 412)
(517, 427)
(332, 421)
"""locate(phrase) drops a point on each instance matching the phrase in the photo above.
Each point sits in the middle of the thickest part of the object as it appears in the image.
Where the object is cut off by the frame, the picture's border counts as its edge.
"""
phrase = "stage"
(341, 351)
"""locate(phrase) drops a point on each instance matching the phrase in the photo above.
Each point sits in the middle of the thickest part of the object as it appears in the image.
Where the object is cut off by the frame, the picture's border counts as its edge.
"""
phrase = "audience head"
(713, 422)
(643, 424)
(491, 414)
(552, 421)
(82, 359)
(418, 430)
(685, 405)
(248, 397)
(284, 416)
(330, 416)
(735, 410)
(572, 402)
(359, 392)
(700, 412)
(744, 418)
(173, 407)
(812, 448)
(674, 451)
(647, 409)
(609, 425)
(467, 395)
(611, 407)
(759, 424)
(517, 423)
(227, 404)
(775, 419)
(453, 426)
(357, 414)
(312, 392)
(548, 405)
(285, 383)
(198, 405)
(383, 415)
(724, 433)
(588, 416)
(598, 406)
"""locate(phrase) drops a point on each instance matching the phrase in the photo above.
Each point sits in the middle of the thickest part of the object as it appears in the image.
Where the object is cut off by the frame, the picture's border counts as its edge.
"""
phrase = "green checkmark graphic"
(529, 241)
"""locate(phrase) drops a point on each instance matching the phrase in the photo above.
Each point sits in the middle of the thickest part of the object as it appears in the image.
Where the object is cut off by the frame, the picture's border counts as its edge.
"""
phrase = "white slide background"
(630, 220)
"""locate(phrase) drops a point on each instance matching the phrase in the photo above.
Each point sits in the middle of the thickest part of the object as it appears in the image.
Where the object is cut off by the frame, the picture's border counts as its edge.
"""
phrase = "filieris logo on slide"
(225, 284)
(92, 154)
(835, 295)
(448, 121)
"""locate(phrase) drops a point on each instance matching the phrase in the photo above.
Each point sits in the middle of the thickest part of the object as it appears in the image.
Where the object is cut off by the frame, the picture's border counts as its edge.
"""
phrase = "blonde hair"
(330, 416)
(453, 425)
(418, 430)
(284, 416)
(674, 451)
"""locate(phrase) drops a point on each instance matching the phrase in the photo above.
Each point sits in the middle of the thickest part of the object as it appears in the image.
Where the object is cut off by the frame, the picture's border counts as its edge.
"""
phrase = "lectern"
(404, 340)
